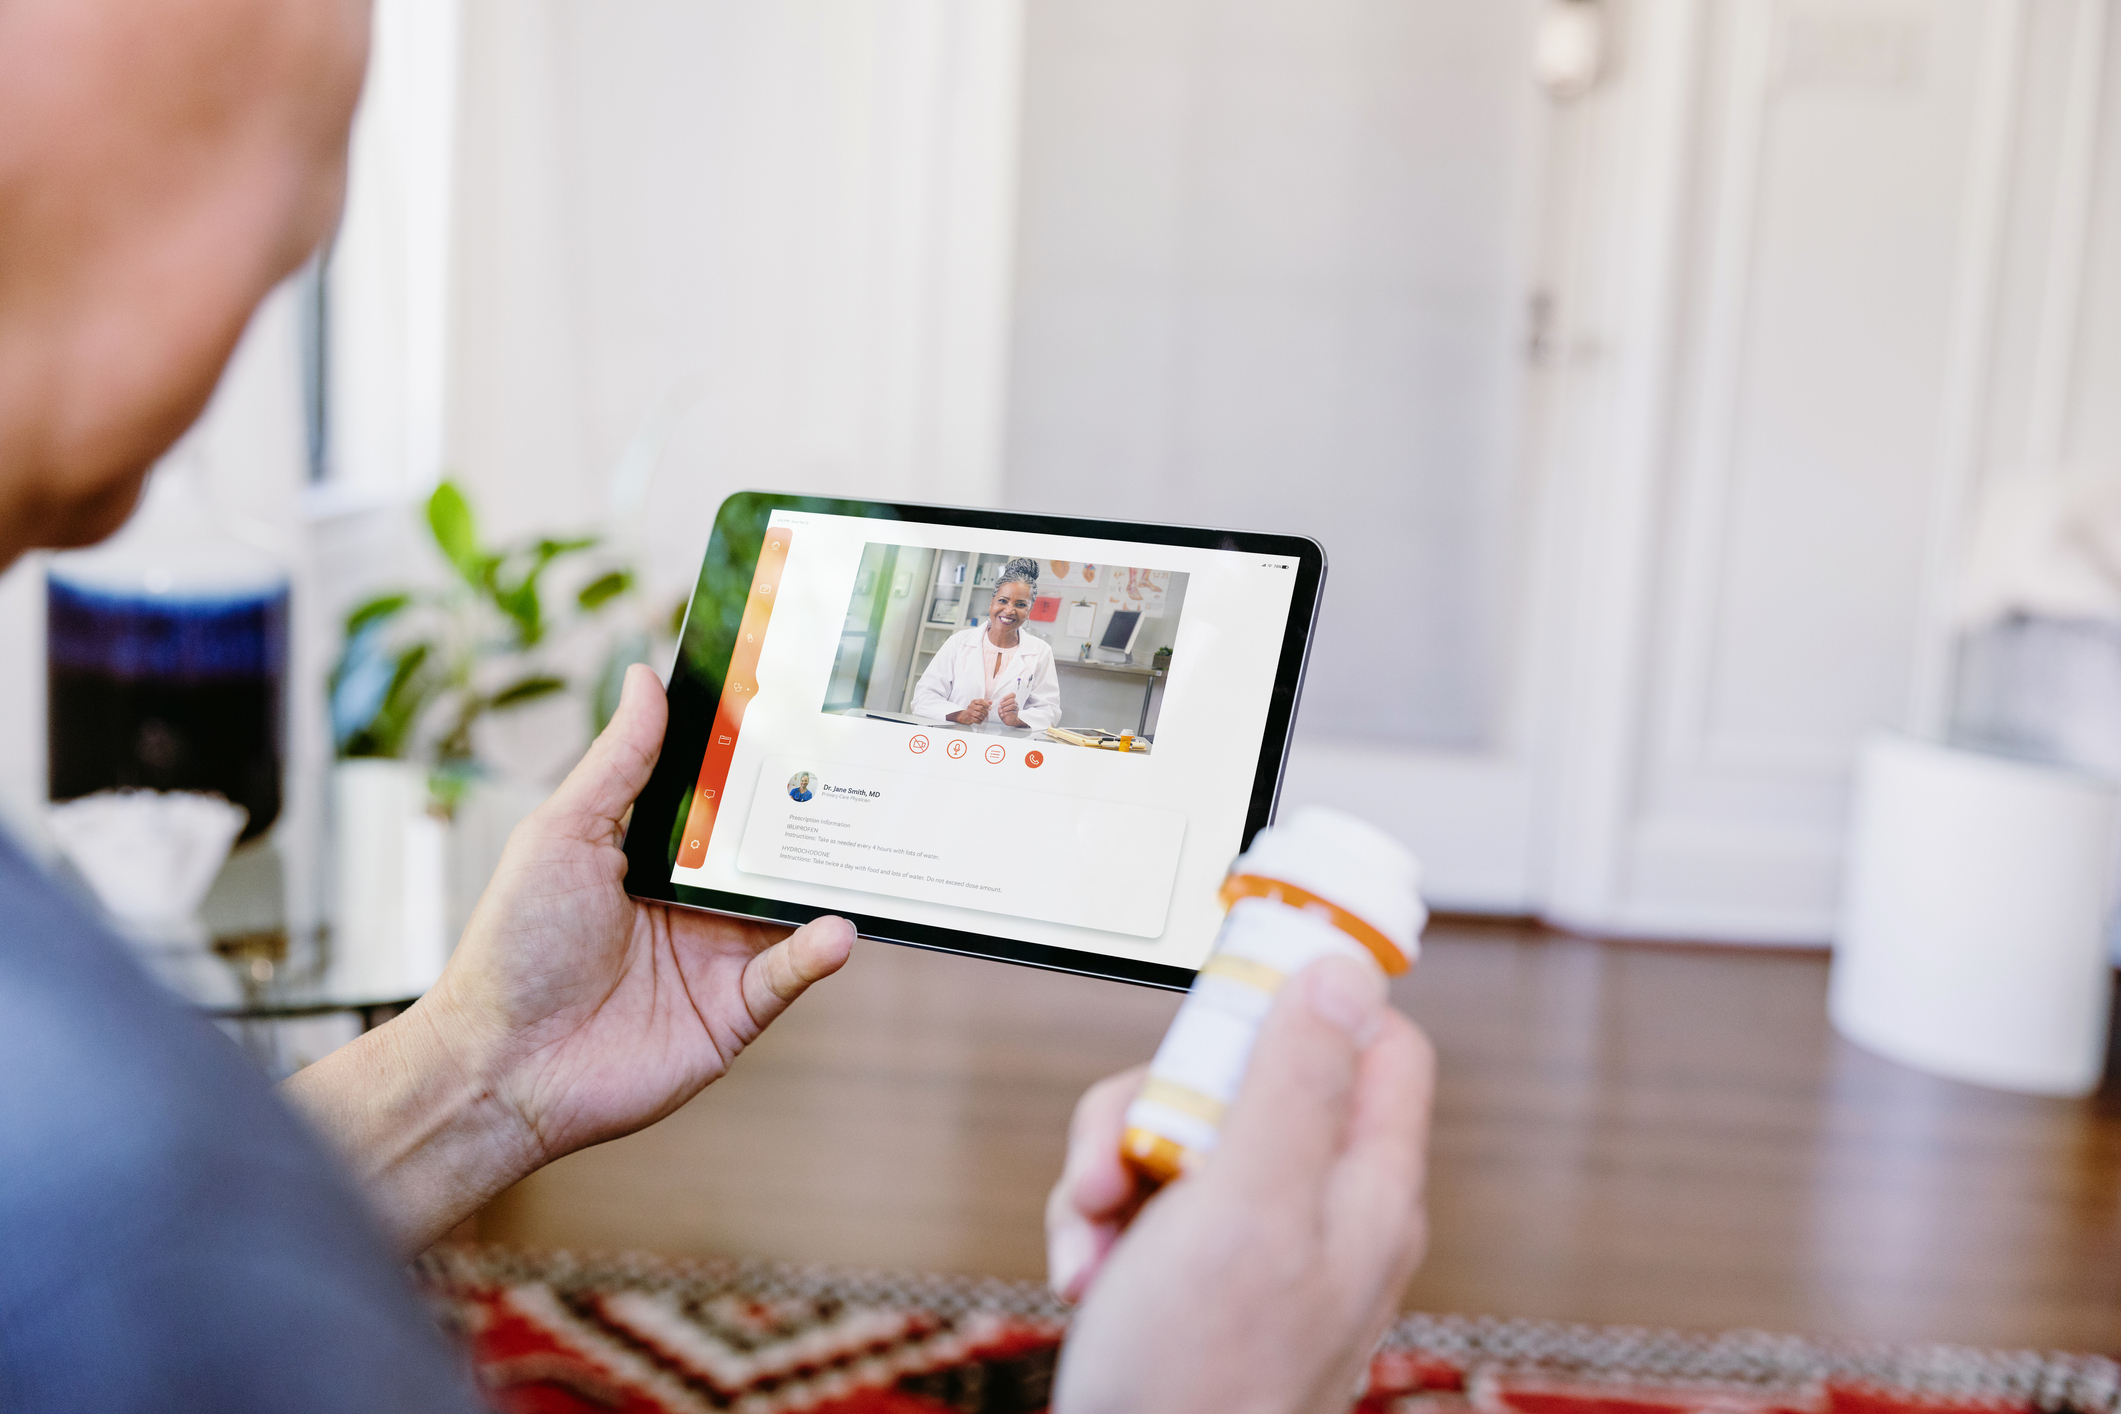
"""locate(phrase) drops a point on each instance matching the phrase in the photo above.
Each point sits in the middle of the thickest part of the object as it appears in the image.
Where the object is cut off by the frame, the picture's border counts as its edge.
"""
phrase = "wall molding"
(388, 277)
(1628, 269)
(1685, 735)
(1468, 817)
(1969, 361)
(2069, 239)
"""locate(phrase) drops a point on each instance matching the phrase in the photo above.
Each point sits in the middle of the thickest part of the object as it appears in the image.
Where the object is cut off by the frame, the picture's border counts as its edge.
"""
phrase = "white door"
(1642, 429)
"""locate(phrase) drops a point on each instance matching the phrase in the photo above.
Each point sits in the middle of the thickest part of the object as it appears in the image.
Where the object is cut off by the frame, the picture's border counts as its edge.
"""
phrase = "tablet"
(1035, 738)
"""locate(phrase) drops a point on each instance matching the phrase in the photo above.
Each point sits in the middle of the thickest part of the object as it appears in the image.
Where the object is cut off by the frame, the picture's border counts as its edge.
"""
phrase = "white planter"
(1973, 929)
(390, 882)
(489, 811)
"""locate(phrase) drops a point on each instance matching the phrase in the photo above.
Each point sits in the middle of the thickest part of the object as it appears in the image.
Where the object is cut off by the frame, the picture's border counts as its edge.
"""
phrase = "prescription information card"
(915, 837)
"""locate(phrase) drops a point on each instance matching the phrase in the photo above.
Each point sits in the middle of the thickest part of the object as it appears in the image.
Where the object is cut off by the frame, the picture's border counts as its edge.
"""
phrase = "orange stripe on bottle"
(1388, 955)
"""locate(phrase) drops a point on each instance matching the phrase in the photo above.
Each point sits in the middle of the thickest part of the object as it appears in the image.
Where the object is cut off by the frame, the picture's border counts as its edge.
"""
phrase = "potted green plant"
(419, 669)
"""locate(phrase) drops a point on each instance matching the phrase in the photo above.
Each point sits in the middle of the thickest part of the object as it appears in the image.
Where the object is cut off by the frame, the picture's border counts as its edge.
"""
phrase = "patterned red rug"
(555, 1333)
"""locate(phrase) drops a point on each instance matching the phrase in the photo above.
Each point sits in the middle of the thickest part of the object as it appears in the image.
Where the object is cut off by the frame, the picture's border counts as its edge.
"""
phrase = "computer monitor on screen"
(1121, 630)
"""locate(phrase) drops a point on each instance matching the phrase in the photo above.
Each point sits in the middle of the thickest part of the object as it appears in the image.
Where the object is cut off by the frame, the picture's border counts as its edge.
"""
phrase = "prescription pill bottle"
(1319, 884)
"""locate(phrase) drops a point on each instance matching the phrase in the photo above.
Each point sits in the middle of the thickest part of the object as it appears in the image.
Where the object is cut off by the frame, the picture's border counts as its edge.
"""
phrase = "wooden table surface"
(1625, 1133)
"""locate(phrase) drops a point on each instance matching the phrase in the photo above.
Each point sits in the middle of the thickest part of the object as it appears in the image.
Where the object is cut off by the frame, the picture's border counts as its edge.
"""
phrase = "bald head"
(163, 164)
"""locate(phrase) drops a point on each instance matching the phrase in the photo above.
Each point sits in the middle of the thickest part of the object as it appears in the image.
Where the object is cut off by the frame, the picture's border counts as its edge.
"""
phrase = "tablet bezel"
(694, 694)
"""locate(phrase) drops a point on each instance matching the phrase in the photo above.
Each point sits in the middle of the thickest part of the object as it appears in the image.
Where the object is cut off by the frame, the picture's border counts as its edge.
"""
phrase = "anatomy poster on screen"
(1129, 588)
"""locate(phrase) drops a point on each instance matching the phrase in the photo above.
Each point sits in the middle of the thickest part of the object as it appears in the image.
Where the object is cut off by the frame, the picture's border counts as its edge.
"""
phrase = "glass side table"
(277, 997)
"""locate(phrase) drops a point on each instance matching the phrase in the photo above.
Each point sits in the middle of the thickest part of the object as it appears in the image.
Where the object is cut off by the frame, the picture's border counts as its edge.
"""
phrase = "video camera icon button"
(996, 754)
(919, 743)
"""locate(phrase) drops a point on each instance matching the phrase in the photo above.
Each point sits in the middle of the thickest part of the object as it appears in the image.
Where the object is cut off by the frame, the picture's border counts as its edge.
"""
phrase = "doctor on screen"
(996, 670)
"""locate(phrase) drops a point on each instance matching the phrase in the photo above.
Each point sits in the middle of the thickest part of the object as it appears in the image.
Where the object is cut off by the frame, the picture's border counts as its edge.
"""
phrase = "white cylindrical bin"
(1973, 921)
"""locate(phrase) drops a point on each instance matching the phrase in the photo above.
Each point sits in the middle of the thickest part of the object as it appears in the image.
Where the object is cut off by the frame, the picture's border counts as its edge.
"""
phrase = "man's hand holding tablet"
(569, 1013)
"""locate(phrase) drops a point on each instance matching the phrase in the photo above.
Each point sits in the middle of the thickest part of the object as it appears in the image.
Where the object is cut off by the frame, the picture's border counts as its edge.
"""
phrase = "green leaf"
(407, 697)
(523, 690)
(520, 600)
(375, 611)
(553, 549)
(603, 589)
(610, 683)
(447, 783)
(522, 606)
(456, 532)
(401, 677)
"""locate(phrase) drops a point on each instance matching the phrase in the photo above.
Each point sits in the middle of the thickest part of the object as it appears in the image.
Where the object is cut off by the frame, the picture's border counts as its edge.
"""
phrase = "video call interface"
(1045, 738)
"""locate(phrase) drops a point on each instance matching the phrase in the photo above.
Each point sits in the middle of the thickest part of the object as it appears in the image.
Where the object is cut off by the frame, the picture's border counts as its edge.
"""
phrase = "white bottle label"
(1201, 1064)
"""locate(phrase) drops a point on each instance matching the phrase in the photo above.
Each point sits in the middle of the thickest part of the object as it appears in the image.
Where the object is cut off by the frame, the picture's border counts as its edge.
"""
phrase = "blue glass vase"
(166, 650)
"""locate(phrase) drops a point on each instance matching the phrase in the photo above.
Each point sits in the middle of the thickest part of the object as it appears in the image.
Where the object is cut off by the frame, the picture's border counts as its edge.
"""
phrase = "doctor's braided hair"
(1021, 570)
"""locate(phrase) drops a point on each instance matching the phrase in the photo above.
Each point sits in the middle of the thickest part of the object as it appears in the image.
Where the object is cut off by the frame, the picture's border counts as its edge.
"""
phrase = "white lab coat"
(956, 677)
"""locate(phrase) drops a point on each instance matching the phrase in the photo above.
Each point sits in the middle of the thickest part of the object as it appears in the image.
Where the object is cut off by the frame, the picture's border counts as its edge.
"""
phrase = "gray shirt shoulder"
(171, 1237)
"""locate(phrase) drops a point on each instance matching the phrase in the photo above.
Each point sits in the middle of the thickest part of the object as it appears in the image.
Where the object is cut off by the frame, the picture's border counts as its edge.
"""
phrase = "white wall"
(389, 271)
(2057, 335)
(1271, 277)
(1153, 634)
(1108, 701)
(774, 231)
(1275, 272)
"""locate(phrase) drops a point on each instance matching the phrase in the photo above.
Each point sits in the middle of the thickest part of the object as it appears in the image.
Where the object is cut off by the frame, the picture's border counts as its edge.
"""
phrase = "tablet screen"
(1048, 744)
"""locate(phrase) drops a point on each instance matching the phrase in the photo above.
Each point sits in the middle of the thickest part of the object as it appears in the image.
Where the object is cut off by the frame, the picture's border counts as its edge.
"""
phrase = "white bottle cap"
(1347, 862)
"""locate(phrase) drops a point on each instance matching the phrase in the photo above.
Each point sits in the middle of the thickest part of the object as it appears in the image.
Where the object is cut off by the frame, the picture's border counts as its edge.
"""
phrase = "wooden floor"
(1625, 1133)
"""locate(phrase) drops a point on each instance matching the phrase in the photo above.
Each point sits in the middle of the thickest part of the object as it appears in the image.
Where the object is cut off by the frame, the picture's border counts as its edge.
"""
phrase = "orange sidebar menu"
(738, 689)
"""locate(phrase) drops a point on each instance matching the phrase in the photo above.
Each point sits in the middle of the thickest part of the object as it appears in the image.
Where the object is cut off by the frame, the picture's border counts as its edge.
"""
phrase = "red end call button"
(1034, 759)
